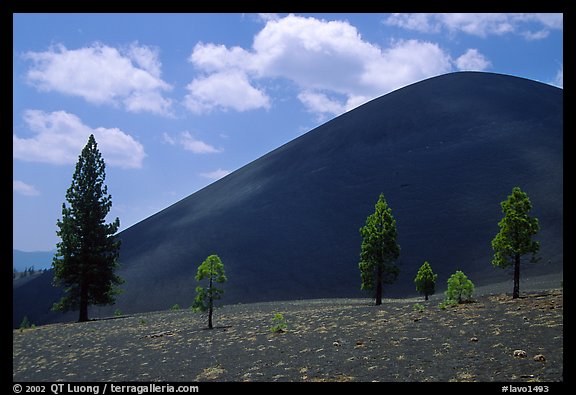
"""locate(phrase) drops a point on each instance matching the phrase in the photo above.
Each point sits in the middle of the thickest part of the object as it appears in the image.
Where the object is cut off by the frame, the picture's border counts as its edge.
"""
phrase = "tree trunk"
(210, 303)
(210, 317)
(83, 303)
(425, 296)
(379, 285)
(516, 292)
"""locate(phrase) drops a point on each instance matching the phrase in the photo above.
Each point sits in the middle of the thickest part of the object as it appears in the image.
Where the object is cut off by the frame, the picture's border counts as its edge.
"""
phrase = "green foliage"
(87, 254)
(460, 288)
(25, 324)
(379, 250)
(175, 307)
(279, 324)
(516, 230)
(212, 272)
(515, 236)
(447, 303)
(117, 313)
(426, 280)
(418, 308)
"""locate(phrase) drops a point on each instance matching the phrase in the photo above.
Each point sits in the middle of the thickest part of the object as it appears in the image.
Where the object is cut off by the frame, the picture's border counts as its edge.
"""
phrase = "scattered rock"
(159, 334)
(520, 354)
(211, 373)
(336, 343)
(473, 339)
(539, 358)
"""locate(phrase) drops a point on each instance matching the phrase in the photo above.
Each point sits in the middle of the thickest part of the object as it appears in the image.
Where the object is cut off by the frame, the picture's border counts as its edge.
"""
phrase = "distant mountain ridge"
(22, 260)
(444, 151)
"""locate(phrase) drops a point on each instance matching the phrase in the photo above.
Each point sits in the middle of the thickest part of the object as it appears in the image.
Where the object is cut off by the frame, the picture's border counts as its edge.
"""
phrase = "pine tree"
(460, 288)
(86, 258)
(515, 236)
(212, 269)
(426, 280)
(379, 250)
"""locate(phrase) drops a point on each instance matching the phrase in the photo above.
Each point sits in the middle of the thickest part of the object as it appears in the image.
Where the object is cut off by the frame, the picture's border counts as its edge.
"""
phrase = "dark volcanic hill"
(445, 152)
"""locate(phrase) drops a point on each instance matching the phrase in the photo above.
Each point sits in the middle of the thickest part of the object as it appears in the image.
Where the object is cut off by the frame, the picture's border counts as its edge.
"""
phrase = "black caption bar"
(105, 388)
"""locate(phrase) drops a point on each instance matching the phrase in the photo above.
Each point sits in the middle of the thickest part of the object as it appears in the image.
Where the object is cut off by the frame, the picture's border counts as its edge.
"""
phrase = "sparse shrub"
(460, 288)
(117, 313)
(175, 307)
(25, 324)
(418, 307)
(447, 303)
(278, 323)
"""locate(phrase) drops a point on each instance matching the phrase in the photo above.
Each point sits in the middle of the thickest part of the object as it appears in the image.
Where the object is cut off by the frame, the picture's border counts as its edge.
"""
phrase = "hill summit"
(444, 151)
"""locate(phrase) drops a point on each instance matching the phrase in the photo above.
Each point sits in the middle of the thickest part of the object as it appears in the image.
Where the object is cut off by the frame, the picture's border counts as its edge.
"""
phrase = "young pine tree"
(426, 280)
(515, 236)
(211, 270)
(87, 254)
(460, 288)
(379, 250)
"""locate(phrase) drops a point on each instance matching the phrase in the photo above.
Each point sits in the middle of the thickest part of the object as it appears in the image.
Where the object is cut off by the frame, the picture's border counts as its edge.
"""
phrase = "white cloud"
(405, 62)
(329, 62)
(531, 26)
(538, 35)
(60, 136)
(198, 147)
(216, 174)
(168, 139)
(103, 75)
(559, 80)
(24, 189)
(145, 57)
(189, 143)
(213, 58)
(548, 20)
(472, 60)
(265, 17)
(226, 89)
(420, 22)
(320, 103)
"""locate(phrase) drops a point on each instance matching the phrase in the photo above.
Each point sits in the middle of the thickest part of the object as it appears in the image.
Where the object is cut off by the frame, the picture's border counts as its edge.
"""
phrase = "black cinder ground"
(325, 340)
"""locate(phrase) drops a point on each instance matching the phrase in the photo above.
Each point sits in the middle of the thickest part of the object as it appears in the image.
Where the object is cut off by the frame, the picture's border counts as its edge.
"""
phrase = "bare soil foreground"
(495, 338)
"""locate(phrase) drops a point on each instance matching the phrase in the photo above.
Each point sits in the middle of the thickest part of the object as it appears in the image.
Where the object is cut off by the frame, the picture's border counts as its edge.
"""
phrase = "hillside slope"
(444, 151)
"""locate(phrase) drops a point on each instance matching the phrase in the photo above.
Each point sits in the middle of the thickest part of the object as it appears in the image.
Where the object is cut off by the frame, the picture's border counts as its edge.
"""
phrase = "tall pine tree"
(379, 250)
(515, 236)
(87, 255)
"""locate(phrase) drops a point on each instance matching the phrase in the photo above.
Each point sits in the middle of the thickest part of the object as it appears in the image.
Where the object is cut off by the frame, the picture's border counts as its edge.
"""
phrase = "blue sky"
(177, 101)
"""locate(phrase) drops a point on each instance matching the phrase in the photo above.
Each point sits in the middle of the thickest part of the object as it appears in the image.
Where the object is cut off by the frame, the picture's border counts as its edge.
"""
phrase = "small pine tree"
(25, 324)
(426, 280)
(379, 250)
(460, 288)
(212, 269)
(515, 236)
(278, 323)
